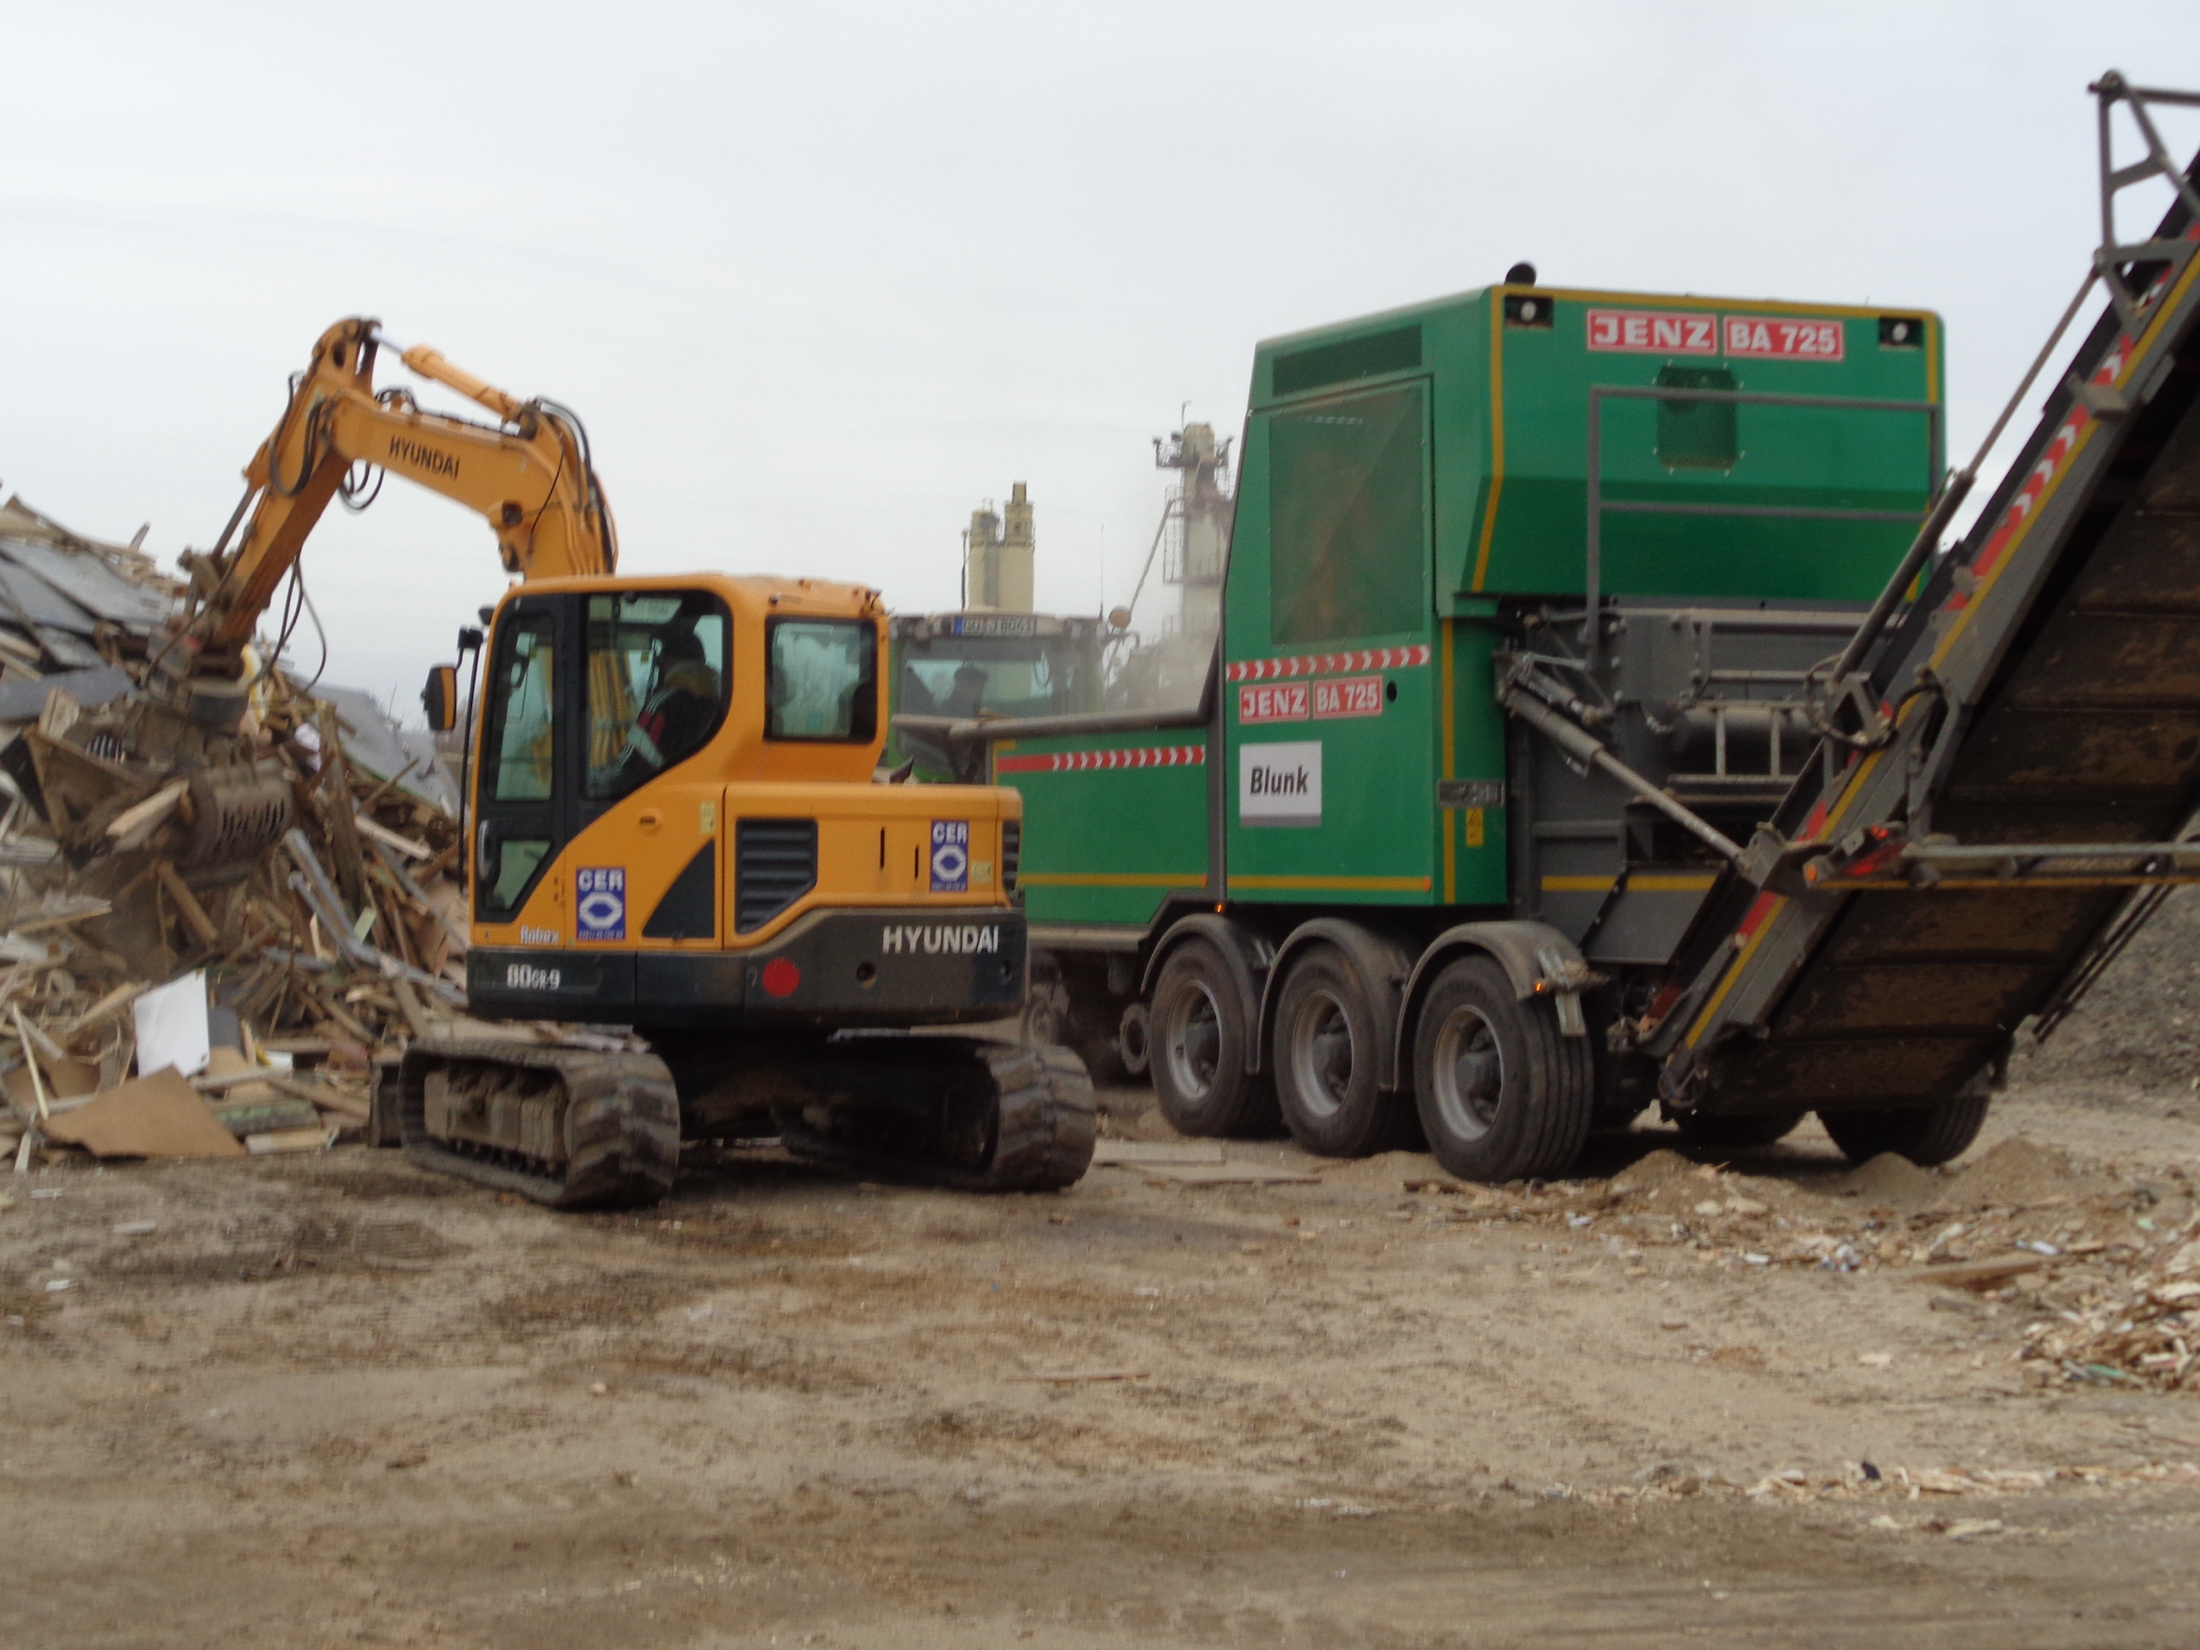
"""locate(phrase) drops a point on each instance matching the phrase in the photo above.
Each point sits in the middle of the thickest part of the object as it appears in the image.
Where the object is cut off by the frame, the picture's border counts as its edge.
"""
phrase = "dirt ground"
(331, 1400)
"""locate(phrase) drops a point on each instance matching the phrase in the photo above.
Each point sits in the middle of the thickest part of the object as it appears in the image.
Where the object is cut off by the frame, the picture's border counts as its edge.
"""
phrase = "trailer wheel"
(1325, 1062)
(1200, 1040)
(1926, 1135)
(1737, 1131)
(1046, 1008)
(1502, 1095)
(1133, 1045)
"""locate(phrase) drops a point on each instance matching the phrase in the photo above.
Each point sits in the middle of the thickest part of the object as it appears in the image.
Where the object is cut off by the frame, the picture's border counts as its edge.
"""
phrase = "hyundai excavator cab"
(674, 827)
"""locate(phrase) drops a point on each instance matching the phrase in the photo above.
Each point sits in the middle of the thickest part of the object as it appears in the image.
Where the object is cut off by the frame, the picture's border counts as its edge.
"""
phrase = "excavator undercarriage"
(582, 1128)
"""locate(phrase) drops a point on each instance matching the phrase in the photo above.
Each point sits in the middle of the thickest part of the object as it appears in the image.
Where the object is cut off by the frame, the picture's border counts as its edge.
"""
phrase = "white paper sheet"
(171, 1026)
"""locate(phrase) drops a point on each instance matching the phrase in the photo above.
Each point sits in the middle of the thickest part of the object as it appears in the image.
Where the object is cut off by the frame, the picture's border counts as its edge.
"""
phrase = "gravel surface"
(333, 1400)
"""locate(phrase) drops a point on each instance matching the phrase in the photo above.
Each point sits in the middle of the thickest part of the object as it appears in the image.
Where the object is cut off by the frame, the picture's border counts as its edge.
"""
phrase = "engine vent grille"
(774, 864)
(1012, 846)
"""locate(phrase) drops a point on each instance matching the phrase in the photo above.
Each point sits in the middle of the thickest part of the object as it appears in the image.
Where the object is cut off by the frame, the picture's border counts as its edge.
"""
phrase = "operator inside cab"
(676, 689)
(683, 707)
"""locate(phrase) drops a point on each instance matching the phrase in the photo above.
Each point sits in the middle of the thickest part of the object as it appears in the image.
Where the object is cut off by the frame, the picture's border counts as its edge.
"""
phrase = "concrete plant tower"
(997, 554)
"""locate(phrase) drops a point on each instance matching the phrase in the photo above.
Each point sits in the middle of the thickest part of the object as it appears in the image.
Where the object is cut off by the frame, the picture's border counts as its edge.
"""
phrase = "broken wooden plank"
(217, 1083)
(392, 839)
(1155, 1151)
(120, 998)
(187, 904)
(61, 916)
(351, 1108)
(1229, 1174)
(1975, 1274)
(131, 827)
(347, 860)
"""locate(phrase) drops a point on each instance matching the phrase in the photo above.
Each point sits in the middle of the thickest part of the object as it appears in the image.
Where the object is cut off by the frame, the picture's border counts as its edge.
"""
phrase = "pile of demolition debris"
(265, 918)
(2102, 1270)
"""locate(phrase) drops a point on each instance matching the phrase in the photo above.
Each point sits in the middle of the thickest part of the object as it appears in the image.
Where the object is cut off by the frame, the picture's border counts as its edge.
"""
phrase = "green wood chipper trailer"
(1598, 720)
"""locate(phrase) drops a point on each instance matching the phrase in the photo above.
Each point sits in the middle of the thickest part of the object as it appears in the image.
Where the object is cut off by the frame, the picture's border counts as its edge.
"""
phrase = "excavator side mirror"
(440, 698)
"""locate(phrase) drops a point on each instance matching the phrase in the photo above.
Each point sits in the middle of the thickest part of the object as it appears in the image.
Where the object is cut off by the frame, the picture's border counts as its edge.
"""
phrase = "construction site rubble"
(203, 956)
(2104, 1273)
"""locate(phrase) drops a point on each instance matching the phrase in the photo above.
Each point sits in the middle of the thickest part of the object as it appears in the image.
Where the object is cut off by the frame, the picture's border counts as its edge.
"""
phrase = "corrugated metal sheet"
(32, 601)
(377, 745)
(88, 582)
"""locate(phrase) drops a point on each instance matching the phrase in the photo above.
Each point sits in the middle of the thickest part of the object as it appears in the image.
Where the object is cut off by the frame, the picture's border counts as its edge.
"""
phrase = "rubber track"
(622, 1125)
(1042, 1138)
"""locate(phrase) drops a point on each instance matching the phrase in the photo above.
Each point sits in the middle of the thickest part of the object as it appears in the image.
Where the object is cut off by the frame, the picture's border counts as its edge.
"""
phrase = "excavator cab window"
(657, 684)
(519, 759)
(823, 680)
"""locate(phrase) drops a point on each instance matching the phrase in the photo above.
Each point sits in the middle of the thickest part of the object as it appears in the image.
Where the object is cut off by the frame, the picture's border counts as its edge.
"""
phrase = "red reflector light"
(781, 977)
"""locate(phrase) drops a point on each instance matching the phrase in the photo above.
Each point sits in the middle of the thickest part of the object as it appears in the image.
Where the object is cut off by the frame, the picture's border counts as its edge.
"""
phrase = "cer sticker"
(950, 856)
(599, 907)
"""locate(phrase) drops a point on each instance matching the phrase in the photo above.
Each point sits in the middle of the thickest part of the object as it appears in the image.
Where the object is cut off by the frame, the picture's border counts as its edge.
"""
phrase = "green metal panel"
(1331, 672)
(1512, 440)
(1112, 822)
(1471, 791)
(1450, 444)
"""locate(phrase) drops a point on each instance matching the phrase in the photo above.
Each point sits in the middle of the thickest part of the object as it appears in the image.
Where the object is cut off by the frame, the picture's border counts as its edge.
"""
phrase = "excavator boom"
(529, 475)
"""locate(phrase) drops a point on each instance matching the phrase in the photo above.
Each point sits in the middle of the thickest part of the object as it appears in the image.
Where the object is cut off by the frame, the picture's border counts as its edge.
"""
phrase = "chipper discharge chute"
(2012, 760)
(1556, 758)
(674, 826)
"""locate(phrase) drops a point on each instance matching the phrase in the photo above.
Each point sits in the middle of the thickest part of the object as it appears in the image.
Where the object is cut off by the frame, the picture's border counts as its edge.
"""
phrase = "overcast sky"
(822, 277)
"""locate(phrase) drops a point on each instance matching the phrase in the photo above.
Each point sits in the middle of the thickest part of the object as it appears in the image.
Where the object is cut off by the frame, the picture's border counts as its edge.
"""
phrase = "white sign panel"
(1280, 784)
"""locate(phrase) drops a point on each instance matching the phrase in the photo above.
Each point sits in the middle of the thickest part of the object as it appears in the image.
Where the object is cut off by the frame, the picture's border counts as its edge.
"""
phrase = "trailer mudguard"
(1536, 958)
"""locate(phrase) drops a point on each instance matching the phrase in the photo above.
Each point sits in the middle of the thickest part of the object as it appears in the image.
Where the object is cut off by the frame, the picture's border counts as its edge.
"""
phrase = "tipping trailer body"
(1598, 720)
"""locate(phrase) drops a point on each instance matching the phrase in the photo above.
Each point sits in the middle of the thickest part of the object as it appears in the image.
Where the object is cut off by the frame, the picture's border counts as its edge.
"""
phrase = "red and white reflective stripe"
(1146, 756)
(1328, 664)
(2060, 448)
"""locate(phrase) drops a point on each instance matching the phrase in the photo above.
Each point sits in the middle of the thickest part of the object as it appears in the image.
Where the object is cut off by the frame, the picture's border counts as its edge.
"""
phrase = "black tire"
(1502, 1095)
(1134, 1042)
(1736, 1132)
(1046, 1009)
(1201, 1035)
(1014, 1119)
(1927, 1135)
(1091, 1032)
(1325, 1058)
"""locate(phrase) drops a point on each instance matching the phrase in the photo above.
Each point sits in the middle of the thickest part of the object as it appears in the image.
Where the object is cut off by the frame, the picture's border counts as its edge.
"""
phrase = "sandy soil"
(336, 1401)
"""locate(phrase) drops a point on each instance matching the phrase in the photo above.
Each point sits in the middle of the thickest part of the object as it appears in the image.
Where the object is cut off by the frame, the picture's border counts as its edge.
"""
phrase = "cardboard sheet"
(65, 1080)
(156, 1116)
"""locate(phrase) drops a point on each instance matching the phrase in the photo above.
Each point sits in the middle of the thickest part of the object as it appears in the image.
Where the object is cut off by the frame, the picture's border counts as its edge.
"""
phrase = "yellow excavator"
(677, 824)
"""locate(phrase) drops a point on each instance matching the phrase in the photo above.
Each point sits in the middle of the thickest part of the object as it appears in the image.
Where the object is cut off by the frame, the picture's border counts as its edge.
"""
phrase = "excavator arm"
(529, 475)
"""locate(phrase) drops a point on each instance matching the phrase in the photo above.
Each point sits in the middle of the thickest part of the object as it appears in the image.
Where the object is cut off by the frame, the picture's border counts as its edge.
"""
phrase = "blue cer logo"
(950, 856)
(599, 902)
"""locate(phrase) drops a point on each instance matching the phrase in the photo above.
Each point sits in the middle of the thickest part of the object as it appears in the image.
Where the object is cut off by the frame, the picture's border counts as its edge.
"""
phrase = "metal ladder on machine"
(2007, 760)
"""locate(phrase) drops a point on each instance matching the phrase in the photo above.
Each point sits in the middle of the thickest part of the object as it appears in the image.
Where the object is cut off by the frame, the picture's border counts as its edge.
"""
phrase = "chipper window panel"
(1348, 497)
(1698, 435)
